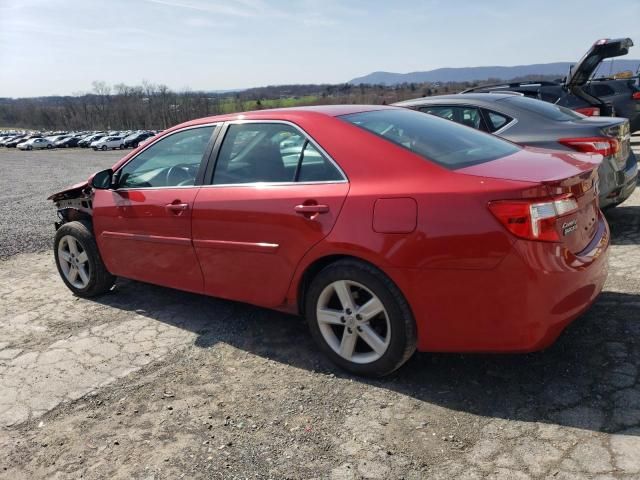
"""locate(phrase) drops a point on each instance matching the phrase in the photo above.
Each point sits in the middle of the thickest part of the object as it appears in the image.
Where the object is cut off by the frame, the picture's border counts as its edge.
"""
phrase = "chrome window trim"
(273, 184)
(311, 140)
(227, 185)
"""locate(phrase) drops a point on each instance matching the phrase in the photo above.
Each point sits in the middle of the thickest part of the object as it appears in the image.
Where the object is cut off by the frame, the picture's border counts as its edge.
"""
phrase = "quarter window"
(496, 120)
(314, 167)
(270, 152)
(173, 161)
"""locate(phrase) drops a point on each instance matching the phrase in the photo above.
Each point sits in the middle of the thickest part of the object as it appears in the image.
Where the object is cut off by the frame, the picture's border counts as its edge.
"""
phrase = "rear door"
(274, 194)
(143, 227)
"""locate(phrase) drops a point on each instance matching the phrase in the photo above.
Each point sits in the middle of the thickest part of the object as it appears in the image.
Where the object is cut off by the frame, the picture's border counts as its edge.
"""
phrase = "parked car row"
(390, 228)
(96, 140)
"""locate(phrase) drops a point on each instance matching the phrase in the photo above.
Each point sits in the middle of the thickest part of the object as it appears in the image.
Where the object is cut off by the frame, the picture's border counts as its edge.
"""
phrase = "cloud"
(309, 13)
(235, 9)
(200, 22)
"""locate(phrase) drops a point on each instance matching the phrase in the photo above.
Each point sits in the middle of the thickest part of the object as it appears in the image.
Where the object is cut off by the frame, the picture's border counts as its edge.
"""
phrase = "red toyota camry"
(388, 229)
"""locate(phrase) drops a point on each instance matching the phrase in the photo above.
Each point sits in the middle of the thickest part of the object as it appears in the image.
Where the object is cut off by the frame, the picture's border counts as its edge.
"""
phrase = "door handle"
(176, 207)
(311, 209)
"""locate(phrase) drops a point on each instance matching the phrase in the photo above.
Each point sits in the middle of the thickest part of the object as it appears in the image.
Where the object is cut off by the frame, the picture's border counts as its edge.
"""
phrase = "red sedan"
(390, 230)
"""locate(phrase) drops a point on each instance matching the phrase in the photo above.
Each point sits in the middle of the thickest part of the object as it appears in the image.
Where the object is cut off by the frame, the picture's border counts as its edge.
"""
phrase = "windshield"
(545, 109)
(441, 141)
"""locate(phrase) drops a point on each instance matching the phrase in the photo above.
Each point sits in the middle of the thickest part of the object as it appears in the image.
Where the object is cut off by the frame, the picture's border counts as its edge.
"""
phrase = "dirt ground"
(151, 383)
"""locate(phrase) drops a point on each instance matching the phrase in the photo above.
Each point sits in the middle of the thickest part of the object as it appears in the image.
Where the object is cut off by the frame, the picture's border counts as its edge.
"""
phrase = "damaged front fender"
(71, 192)
(74, 203)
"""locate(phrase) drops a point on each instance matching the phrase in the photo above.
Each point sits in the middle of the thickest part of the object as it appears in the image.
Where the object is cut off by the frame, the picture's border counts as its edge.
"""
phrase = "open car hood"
(602, 49)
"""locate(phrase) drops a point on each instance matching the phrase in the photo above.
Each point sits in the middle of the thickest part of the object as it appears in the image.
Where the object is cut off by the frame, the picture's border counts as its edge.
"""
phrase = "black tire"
(49, 146)
(29, 147)
(135, 145)
(403, 327)
(100, 280)
(121, 146)
(103, 148)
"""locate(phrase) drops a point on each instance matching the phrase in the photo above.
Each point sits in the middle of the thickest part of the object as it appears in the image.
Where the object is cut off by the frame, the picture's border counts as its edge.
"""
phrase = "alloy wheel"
(353, 321)
(74, 262)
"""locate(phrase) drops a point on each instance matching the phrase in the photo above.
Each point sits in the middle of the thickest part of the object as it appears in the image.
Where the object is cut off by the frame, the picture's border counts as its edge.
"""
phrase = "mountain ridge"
(471, 74)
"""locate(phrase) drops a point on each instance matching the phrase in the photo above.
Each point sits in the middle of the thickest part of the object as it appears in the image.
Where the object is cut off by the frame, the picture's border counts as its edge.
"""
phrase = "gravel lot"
(148, 382)
(28, 178)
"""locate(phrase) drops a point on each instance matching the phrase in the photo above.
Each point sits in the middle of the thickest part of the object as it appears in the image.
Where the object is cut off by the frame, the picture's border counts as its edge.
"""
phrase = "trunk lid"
(602, 49)
(559, 175)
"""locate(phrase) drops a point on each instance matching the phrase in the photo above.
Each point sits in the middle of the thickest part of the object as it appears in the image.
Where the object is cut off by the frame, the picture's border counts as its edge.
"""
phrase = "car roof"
(287, 114)
(457, 98)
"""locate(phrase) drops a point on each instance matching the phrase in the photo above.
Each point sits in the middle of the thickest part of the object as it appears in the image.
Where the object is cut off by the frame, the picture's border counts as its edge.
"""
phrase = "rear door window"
(271, 153)
(465, 115)
(445, 143)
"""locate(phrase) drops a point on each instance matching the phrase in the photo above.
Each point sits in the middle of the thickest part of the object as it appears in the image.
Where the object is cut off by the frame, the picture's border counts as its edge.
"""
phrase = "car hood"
(602, 49)
(69, 192)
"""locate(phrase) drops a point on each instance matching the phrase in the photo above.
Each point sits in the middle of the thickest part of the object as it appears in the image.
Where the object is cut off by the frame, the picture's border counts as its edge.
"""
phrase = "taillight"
(635, 95)
(605, 146)
(534, 219)
(589, 111)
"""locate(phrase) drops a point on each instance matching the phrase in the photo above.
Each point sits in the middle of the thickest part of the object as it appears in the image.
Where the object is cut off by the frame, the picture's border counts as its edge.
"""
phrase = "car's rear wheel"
(121, 146)
(360, 319)
(104, 147)
(79, 262)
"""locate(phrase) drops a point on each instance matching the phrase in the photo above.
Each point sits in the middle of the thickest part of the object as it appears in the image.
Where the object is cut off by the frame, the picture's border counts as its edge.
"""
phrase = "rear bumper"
(522, 305)
(622, 185)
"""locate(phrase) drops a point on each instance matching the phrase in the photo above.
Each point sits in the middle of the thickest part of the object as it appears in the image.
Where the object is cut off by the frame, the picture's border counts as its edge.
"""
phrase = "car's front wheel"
(360, 319)
(79, 262)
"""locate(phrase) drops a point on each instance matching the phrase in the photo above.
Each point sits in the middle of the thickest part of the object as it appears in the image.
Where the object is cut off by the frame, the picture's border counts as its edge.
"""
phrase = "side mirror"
(103, 180)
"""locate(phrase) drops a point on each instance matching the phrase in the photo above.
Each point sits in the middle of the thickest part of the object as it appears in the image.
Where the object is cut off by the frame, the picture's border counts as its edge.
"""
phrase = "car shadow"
(586, 380)
(624, 221)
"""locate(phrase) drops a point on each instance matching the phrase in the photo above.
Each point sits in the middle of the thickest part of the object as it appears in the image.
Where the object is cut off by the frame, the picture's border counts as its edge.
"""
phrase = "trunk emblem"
(568, 227)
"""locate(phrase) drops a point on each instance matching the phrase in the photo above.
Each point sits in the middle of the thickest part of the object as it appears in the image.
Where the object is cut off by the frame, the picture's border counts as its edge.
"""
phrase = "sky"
(59, 47)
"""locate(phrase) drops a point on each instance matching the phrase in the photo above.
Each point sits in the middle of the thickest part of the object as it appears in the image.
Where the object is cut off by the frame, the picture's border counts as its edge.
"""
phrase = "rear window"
(545, 109)
(441, 141)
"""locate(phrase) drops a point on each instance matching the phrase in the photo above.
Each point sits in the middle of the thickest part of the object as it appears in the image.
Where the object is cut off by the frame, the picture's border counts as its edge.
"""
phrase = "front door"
(143, 227)
(273, 196)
